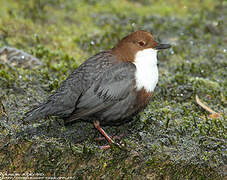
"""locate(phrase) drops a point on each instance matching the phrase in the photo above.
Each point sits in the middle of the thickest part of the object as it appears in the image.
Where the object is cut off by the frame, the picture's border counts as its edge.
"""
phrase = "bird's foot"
(114, 137)
(106, 136)
(117, 145)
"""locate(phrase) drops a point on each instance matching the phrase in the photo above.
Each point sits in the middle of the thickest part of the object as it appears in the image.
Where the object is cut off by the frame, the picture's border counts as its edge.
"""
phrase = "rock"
(18, 58)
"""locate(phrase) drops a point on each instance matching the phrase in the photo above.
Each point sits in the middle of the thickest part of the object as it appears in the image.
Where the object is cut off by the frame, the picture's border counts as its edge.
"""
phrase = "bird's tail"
(38, 112)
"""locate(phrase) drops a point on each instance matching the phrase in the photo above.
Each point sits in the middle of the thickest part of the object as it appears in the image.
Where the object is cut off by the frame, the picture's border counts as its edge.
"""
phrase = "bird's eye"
(141, 43)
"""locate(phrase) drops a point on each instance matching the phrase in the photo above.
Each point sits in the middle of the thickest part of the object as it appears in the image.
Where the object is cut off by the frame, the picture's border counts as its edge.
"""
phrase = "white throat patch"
(146, 69)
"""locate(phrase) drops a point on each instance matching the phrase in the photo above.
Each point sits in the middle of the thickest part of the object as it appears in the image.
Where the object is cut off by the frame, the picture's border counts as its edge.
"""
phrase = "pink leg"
(98, 127)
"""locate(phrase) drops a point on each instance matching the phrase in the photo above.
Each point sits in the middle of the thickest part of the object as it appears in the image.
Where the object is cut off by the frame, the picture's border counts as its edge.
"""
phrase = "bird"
(109, 88)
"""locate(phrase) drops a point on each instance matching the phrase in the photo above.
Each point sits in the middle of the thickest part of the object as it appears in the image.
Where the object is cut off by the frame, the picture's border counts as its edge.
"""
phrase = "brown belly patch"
(142, 99)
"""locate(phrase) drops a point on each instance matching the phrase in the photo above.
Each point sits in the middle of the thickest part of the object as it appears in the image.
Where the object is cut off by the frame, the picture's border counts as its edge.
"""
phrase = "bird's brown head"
(127, 48)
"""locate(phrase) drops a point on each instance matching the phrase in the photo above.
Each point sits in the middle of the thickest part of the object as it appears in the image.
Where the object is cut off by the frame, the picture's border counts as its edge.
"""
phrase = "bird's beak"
(162, 46)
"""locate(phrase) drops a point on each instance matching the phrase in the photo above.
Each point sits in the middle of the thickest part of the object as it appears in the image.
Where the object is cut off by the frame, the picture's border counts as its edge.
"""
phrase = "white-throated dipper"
(109, 87)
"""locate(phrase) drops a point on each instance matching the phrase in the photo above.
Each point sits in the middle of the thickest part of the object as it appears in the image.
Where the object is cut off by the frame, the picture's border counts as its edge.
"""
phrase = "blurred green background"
(173, 138)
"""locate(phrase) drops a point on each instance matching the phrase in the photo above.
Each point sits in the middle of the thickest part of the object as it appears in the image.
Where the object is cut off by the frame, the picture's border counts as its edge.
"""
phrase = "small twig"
(204, 106)
(3, 110)
(213, 113)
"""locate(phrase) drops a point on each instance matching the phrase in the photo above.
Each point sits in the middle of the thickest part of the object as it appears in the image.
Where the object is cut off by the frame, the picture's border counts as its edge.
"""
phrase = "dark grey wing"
(113, 87)
(63, 101)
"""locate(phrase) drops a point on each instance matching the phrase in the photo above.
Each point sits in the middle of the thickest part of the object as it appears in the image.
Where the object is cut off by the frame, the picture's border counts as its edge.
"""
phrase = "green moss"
(173, 138)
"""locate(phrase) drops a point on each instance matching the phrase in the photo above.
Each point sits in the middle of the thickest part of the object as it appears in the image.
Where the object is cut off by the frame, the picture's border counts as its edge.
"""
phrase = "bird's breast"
(146, 74)
(142, 99)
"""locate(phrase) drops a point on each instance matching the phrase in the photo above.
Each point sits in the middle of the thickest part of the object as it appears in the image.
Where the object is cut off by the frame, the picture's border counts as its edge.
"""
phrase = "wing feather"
(112, 87)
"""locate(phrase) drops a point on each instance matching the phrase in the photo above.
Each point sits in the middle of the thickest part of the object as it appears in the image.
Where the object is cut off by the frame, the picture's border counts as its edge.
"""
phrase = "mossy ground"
(173, 138)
